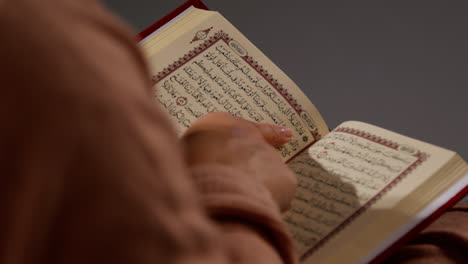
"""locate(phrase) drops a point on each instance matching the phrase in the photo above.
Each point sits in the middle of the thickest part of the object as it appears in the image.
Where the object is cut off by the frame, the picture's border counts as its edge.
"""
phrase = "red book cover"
(170, 16)
(419, 227)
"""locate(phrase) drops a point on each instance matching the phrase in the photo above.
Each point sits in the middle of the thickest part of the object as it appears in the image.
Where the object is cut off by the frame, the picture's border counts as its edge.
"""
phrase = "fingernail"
(285, 132)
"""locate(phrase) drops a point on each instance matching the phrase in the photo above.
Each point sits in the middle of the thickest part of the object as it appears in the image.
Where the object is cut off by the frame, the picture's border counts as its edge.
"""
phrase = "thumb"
(274, 134)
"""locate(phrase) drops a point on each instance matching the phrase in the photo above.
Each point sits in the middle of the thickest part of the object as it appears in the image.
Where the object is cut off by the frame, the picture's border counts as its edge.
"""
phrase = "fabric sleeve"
(444, 241)
(229, 194)
(92, 171)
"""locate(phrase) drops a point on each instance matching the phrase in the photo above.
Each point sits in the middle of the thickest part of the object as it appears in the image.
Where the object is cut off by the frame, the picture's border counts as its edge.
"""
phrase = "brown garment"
(444, 241)
(92, 171)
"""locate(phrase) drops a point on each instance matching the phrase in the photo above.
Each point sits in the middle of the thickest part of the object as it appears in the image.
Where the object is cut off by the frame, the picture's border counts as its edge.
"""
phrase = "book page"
(353, 190)
(209, 66)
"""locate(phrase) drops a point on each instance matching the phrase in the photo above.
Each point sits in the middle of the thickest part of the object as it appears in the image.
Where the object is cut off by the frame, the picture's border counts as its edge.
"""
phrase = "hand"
(246, 146)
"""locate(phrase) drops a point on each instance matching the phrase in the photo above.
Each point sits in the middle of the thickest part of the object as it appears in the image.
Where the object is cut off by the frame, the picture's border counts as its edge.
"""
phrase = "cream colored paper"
(357, 186)
(194, 76)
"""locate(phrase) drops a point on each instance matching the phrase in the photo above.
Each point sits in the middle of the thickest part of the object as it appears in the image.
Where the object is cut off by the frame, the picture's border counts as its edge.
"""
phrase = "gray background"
(401, 65)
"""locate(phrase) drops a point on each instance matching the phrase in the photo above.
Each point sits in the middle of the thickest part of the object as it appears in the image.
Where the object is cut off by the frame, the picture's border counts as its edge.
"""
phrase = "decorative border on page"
(201, 34)
(421, 157)
(221, 35)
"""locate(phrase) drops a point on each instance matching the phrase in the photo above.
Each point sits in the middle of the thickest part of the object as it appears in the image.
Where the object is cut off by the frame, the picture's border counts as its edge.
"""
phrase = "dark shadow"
(324, 204)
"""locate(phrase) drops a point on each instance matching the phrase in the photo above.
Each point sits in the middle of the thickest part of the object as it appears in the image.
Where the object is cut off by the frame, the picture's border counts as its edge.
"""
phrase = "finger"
(210, 121)
(274, 134)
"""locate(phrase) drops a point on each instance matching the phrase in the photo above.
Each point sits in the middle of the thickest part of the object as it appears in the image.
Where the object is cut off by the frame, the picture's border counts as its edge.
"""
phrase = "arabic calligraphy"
(220, 80)
(336, 176)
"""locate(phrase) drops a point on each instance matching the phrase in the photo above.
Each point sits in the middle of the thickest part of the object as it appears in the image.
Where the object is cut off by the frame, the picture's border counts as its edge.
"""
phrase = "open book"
(362, 191)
